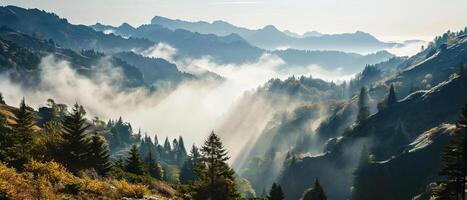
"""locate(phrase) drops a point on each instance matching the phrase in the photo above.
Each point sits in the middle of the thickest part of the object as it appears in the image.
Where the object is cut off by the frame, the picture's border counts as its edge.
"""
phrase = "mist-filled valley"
(184, 109)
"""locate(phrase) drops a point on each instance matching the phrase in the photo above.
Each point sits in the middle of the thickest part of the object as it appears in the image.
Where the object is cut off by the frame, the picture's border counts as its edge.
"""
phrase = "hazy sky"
(386, 19)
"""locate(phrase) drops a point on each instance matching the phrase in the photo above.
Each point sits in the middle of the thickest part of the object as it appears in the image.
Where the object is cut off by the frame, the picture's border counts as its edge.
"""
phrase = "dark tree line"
(455, 163)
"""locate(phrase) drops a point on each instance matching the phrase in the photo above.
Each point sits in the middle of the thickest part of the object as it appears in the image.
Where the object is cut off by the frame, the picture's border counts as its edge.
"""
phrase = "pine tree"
(2, 101)
(360, 185)
(75, 142)
(154, 169)
(363, 109)
(167, 149)
(275, 193)
(98, 155)
(215, 178)
(134, 164)
(187, 173)
(315, 193)
(181, 152)
(23, 134)
(455, 162)
(392, 99)
(119, 163)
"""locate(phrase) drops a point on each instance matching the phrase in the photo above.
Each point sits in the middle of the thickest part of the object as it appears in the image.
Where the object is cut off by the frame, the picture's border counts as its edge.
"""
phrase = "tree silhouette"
(187, 173)
(360, 183)
(315, 193)
(363, 109)
(392, 99)
(2, 101)
(455, 162)
(275, 193)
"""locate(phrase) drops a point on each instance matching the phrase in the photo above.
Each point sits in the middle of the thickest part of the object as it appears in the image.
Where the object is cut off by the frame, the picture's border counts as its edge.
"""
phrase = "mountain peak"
(157, 19)
(270, 28)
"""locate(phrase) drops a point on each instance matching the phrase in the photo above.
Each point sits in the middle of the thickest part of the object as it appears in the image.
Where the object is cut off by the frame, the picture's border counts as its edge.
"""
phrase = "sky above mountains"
(388, 20)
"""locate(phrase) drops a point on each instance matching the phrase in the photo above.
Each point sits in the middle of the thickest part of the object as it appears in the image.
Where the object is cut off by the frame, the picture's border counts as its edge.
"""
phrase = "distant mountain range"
(271, 38)
(225, 47)
(231, 48)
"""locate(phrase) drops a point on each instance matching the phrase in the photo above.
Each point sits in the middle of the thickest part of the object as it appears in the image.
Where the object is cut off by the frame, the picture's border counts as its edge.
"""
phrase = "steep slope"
(21, 57)
(411, 116)
(49, 25)
(154, 70)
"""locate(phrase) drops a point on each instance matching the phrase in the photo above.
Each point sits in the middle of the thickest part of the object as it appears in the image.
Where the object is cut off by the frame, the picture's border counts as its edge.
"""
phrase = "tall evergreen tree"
(360, 184)
(2, 101)
(315, 193)
(392, 99)
(363, 109)
(154, 168)
(134, 164)
(275, 193)
(75, 141)
(167, 150)
(181, 152)
(455, 162)
(98, 155)
(23, 133)
(215, 178)
(187, 173)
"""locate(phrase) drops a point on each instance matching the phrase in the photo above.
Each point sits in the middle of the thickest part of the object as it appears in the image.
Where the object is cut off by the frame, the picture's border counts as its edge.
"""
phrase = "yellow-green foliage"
(51, 180)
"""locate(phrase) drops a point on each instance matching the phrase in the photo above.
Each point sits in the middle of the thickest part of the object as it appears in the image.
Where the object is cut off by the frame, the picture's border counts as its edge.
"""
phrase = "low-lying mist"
(192, 109)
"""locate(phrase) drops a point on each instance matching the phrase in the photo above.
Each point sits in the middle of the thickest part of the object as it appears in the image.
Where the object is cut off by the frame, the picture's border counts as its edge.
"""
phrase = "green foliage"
(244, 188)
(363, 114)
(363, 109)
(455, 163)
(23, 135)
(98, 155)
(75, 143)
(134, 164)
(8, 152)
(315, 193)
(215, 178)
(275, 193)
(154, 168)
(187, 173)
(171, 173)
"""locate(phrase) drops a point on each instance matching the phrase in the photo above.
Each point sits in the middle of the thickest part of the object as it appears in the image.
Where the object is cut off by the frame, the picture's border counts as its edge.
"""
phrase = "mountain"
(307, 34)
(49, 25)
(154, 70)
(271, 38)
(234, 49)
(401, 138)
(22, 55)
(310, 131)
